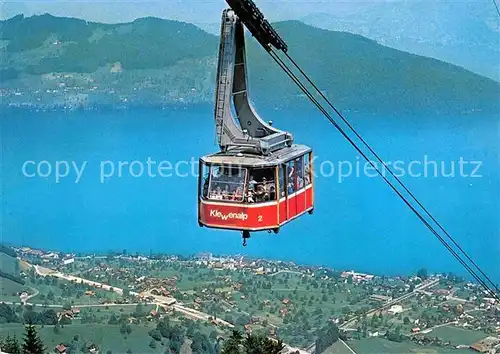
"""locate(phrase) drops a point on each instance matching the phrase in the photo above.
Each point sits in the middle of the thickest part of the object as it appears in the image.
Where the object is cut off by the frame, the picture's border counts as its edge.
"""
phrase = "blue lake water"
(359, 223)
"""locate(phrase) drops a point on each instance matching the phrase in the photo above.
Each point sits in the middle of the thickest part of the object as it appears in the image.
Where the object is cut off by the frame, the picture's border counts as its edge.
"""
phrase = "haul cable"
(390, 172)
(304, 89)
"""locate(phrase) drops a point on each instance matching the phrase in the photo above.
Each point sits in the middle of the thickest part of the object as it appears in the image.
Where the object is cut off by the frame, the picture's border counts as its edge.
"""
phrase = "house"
(442, 292)
(415, 330)
(67, 314)
(486, 345)
(197, 300)
(76, 311)
(68, 261)
(380, 298)
(283, 311)
(61, 349)
(395, 309)
(286, 301)
(248, 329)
(254, 320)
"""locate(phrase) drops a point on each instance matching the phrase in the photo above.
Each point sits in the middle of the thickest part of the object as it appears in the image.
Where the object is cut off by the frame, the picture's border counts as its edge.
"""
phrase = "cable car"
(259, 180)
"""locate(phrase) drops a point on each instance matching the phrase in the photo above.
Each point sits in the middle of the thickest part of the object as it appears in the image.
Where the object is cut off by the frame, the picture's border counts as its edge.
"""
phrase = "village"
(281, 299)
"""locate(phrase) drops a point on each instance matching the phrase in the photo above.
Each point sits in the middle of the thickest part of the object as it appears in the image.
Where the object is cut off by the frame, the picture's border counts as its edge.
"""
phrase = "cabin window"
(290, 175)
(299, 173)
(227, 183)
(281, 174)
(307, 169)
(204, 180)
(261, 185)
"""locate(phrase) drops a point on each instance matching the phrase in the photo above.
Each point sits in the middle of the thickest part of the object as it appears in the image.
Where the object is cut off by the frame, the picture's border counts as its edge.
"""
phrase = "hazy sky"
(196, 11)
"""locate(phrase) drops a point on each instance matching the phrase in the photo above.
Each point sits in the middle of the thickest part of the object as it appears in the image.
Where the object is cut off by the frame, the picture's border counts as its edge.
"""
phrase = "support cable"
(294, 78)
(496, 7)
(351, 128)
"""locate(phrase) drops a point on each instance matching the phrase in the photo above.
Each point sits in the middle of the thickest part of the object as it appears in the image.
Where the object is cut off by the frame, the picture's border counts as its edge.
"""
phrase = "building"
(380, 298)
(487, 345)
(68, 261)
(61, 349)
(357, 277)
(395, 309)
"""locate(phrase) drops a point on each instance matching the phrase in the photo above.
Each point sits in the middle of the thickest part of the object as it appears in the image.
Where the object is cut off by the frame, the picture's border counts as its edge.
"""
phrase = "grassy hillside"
(358, 73)
(9, 266)
(154, 61)
(75, 45)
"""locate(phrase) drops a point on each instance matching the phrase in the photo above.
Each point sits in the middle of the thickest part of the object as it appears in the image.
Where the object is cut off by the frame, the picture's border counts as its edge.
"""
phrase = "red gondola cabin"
(245, 192)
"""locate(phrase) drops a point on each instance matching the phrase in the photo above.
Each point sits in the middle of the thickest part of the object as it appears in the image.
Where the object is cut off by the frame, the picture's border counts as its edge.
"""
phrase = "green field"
(9, 288)
(9, 264)
(107, 337)
(457, 335)
(379, 346)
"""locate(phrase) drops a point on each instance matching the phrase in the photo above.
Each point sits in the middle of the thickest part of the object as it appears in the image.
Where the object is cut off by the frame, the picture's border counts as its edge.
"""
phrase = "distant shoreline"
(138, 255)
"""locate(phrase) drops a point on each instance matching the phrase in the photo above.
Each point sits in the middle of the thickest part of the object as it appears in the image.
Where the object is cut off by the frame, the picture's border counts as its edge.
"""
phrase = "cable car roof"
(237, 158)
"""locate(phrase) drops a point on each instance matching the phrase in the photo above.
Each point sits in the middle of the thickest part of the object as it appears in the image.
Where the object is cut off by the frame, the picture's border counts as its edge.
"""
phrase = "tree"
(48, 317)
(326, 337)
(139, 310)
(251, 344)
(406, 320)
(232, 344)
(32, 343)
(155, 334)
(201, 344)
(11, 345)
(422, 273)
(112, 319)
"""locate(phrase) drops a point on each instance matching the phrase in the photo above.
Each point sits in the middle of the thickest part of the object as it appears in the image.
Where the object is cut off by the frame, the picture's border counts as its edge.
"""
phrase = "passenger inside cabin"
(250, 196)
(260, 193)
(217, 194)
(252, 183)
(272, 192)
(226, 194)
(300, 182)
(307, 176)
(238, 194)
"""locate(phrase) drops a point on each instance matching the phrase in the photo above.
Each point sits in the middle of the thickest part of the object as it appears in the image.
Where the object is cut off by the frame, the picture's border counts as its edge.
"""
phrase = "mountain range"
(48, 59)
(465, 33)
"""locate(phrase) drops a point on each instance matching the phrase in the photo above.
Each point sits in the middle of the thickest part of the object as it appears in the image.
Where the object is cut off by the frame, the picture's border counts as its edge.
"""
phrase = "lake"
(358, 223)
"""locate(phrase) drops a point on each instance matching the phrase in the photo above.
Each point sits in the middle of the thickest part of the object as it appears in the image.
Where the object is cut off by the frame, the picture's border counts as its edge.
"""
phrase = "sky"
(193, 11)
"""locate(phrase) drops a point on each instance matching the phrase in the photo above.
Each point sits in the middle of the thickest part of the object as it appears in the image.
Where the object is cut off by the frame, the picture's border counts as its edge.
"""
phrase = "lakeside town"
(214, 295)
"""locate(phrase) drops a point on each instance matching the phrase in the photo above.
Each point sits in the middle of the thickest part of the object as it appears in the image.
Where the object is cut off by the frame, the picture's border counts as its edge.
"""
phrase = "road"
(387, 305)
(158, 300)
(430, 329)
(285, 271)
